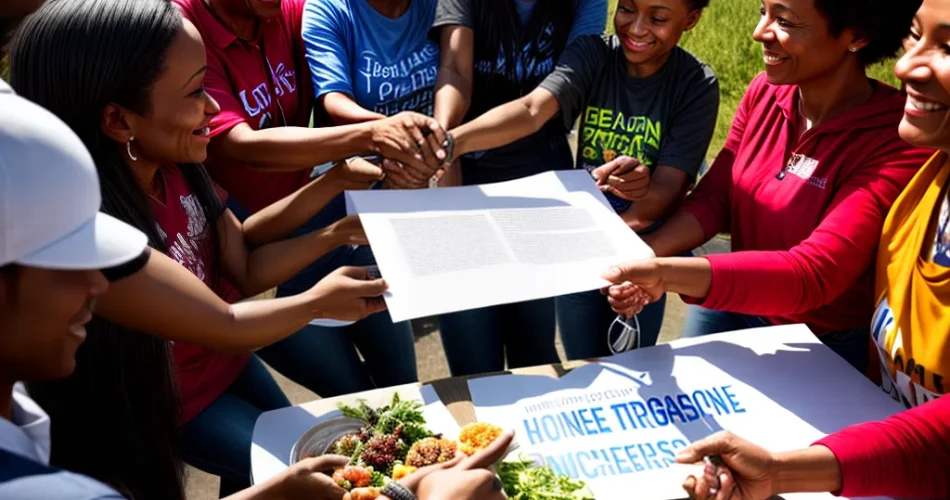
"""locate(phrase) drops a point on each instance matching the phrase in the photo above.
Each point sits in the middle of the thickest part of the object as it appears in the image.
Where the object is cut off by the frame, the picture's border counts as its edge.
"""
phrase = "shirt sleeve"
(709, 203)
(218, 86)
(590, 18)
(691, 128)
(449, 12)
(129, 268)
(905, 456)
(841, 249)
(327, 34)
(573, 78)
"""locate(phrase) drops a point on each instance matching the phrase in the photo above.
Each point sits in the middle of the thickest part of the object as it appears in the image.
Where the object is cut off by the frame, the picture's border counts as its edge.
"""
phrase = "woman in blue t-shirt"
(492, 52)
(642, 101)
(371, 58)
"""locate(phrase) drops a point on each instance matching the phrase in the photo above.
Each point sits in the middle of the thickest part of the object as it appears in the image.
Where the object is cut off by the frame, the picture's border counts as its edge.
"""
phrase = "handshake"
(415, 149)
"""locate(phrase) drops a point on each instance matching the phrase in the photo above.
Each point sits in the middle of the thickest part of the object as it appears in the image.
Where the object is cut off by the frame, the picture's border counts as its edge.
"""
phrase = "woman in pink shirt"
(812, 163)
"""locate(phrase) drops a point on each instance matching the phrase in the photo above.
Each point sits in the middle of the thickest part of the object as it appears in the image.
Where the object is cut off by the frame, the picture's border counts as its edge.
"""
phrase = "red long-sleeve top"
(905, 456)
(805, 211)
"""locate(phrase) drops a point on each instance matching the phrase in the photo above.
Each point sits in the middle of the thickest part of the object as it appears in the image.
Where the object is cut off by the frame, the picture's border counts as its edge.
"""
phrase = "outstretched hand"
(635, 284)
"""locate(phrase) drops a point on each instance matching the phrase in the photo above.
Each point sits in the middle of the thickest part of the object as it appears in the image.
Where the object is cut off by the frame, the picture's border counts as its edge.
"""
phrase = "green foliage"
(723, 40)
(523, 481)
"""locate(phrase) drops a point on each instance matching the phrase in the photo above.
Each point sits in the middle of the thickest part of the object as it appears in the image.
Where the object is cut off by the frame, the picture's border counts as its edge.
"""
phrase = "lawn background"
(723, 40)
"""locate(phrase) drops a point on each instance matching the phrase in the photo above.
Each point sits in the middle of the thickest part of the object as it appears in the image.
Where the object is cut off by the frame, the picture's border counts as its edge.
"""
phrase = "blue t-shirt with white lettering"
(386, 65)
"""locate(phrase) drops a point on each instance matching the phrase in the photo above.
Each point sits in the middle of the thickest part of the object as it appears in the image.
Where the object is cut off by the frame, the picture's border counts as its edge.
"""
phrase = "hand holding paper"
(452, 249)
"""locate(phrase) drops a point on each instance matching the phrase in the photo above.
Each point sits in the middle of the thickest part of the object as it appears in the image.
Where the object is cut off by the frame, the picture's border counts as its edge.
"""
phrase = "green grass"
(723, 40)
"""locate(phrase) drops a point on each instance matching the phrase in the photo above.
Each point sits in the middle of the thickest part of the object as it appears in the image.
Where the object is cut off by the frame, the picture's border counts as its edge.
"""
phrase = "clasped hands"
(415, 149)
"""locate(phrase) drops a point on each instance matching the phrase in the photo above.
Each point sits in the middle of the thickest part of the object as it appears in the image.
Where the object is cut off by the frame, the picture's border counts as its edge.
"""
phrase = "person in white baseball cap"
(53, 244)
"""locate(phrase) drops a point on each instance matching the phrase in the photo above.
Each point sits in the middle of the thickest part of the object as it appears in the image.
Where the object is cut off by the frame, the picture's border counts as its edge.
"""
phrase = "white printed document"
(452, 249)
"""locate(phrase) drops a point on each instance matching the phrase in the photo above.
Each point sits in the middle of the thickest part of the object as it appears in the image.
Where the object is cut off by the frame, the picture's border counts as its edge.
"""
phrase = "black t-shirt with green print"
(664, 119)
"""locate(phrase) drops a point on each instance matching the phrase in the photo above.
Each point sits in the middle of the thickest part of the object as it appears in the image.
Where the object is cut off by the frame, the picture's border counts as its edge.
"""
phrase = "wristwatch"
(396, 491)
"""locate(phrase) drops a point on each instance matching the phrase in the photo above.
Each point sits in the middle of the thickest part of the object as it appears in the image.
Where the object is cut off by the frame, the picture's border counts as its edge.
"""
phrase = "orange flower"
(476, 436)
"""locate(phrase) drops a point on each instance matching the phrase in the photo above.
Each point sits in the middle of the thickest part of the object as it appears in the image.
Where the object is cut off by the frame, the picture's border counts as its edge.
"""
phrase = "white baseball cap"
(49, 196)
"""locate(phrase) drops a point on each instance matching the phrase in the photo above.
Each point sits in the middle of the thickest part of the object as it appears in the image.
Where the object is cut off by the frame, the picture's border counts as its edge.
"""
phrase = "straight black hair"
(117, 417)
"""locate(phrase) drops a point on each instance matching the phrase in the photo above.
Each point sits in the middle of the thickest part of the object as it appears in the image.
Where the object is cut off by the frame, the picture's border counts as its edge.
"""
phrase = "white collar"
(29, 432)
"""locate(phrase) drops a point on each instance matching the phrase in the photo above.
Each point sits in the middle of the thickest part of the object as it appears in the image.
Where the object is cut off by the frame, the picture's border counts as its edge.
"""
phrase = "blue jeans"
(327, 360)
(480, 340)
(218, 440)
(852, 345)
(585, 317)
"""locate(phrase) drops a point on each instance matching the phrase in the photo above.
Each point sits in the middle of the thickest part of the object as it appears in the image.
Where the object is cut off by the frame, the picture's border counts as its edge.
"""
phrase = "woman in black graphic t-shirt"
(494, 51)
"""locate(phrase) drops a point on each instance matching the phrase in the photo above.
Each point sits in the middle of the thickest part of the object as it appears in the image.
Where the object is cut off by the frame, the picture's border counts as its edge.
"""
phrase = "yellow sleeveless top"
(911, 325)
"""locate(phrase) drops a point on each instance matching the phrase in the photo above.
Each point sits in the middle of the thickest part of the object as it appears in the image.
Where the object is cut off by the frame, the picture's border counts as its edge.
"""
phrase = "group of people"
(222, 133)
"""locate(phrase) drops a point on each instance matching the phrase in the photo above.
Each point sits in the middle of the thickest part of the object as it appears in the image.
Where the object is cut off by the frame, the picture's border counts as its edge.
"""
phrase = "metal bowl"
(318, 440)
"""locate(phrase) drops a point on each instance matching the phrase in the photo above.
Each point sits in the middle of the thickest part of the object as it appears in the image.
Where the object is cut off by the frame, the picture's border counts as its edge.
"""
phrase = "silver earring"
(852, 48)
(128, 149)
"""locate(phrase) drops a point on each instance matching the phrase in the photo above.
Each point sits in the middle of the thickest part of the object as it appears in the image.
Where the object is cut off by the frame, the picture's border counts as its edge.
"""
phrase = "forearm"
(294, 148)
(504, 124)
(813, 469)
(343, 110)
(275, 263)
(452, 98)
(689, 276)
(281, 218)
(681, 233)
(166, 300)
(653, 207)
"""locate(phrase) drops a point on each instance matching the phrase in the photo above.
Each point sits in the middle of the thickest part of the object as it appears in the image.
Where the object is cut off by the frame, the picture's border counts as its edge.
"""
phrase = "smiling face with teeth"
(925, 71)
(174, 127)
(797, 43)
(649, 29)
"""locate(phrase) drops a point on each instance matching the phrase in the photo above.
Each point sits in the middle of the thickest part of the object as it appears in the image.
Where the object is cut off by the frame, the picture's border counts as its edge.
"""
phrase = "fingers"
(374, 305)
(618, 164)
(396, 176)
(727, 484)
(490, 454)
(364, 170)
(324, 463)
(719, 443)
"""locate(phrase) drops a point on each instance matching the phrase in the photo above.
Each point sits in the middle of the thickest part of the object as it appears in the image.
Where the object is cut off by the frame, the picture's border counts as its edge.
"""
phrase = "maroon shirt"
(203, 374)
(263, 82)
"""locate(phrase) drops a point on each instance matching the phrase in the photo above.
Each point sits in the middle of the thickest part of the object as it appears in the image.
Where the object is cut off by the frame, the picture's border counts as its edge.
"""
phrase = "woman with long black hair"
(135, 97)
(493, 52)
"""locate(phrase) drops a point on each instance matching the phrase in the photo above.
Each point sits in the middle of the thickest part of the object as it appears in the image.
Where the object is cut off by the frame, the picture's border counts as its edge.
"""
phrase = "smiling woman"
(138, 102)
(812, 163)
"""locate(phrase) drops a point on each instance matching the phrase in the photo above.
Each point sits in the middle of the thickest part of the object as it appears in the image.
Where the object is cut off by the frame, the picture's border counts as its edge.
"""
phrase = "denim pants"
(584, 318)
(218, 440)
(852, 345)
(327, 360)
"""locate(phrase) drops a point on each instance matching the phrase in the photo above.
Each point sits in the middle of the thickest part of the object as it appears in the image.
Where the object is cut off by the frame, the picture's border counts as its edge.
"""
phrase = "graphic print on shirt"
(536, 59)
(406, 85)
(907, 382)
(185, 248)
(258, 101)
(607, 134)
(941, 247)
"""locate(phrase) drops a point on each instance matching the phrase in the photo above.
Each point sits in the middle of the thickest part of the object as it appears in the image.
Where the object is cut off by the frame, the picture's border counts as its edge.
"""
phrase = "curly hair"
(698, 4)
(885, 23)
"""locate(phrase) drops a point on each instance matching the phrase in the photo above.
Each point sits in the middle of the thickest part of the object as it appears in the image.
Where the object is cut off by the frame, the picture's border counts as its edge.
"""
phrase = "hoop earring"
(128, 149)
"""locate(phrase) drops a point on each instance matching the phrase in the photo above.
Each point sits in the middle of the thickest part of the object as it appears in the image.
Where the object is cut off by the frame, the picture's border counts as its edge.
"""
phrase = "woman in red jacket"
(811, 165)
(907, 455)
